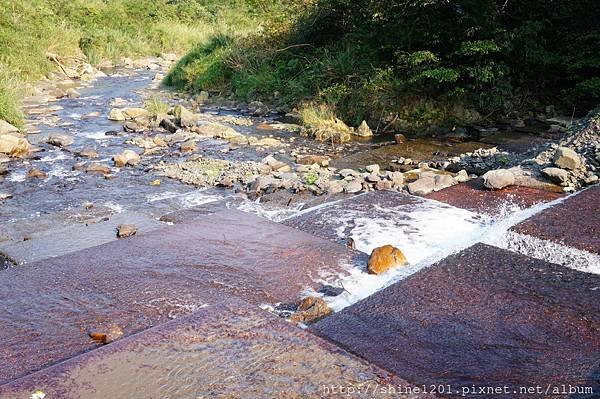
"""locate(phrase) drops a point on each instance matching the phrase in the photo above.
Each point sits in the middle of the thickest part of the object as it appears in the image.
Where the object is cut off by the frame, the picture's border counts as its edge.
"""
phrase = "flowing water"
(427, 232)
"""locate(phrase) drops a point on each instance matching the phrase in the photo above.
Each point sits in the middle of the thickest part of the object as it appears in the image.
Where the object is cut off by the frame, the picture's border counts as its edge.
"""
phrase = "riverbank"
(41, 38)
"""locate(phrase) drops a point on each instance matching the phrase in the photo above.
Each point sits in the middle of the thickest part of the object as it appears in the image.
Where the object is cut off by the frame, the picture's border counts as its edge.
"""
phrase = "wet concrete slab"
(61, 241)
(419, 227)
(49, 307)
(229, 350)
(472, 195)
(485, 317)
(574, 222)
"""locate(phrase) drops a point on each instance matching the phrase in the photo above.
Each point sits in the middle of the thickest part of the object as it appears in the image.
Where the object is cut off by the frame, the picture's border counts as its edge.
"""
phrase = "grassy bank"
(411, 64)
(104, 29)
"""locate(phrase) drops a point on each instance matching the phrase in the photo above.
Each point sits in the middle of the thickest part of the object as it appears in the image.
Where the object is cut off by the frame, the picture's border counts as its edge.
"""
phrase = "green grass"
(410, 64)
(104, 29)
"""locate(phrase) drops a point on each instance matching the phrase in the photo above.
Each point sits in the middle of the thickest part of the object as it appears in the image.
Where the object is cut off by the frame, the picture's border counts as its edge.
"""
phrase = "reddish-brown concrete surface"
(574, 222)
(228, 350)
(485, 317)
(48, 307)
(474, 197)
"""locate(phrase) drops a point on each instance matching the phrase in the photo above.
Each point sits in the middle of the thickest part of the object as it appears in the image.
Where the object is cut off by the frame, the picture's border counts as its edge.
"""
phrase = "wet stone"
(473, 196)
(258, 356)
(574, 222)
(154, 277)
(484, 316)
(61, 241)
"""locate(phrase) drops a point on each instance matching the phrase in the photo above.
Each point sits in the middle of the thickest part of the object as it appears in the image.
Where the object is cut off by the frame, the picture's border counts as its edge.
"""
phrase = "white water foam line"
(274, 214)
(565, 255)
(432, 231)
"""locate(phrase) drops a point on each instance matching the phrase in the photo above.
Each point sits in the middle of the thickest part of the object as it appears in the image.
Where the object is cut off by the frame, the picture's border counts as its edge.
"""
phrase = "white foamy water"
(273, 214)
(100, 135)
(198, 197)
(55, 155)
(428, 232)
(17, 176)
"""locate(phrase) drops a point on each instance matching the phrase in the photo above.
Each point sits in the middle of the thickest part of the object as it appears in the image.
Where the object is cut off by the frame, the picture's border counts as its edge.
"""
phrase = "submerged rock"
(98, 168)
(126, 230)
(106, 337)
(35, 173)
(311, 310)
(89, 153)
(385, 258)
(498, 179)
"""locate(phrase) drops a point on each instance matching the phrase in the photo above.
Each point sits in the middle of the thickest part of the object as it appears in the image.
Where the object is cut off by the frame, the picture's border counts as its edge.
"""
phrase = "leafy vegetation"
(410, 63)
(103, 29)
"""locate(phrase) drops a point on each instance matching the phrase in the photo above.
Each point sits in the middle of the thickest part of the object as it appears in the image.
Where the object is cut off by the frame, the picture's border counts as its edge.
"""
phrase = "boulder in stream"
(60, 140)
(128, 157)
(498, 179)
(385, 258)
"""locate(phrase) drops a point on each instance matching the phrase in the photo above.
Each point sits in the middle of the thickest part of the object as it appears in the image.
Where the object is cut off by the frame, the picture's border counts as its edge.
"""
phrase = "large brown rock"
(385, 258)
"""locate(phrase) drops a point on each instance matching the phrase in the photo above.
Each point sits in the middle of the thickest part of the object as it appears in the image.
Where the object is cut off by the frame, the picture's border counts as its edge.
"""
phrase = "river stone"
(373, 168)
(116, 114)
(566, 158)
(135, 113)
(310, 310)
(188, 146)
(6, 127)
(321, 160)
(334, 187)
(443, 181)
(35, 173)
(498, 179)
(276, 165)
(385, 258)
(422, 186)
(126, 230)
(14, 146)
(364, 130)
(128, 157)
(60, 140)
(373, 178)
(257, 108)
(72, 93)
(186, 117)
(88, 153)
(216, 130)
(556, 175)
(353, 187)
(98, 168)
(168, 125)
